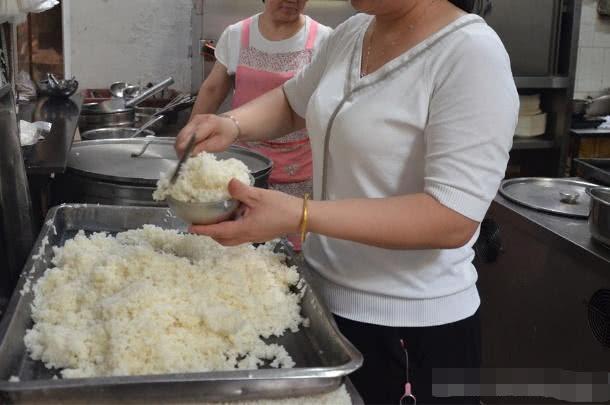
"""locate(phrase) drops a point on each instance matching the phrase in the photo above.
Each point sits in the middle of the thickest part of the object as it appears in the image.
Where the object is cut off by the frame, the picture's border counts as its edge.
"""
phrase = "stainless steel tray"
(543, 194)
(596, 170)
(323, 356)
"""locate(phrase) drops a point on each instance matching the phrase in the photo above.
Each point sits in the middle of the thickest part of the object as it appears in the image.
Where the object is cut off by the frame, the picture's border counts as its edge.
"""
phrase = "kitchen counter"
(51, 155)
(537, 295)
(591, 132)
(578, 135)
(572, 233)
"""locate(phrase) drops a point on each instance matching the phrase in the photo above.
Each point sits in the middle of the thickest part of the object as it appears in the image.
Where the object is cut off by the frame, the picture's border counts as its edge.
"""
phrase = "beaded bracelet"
(236, 122)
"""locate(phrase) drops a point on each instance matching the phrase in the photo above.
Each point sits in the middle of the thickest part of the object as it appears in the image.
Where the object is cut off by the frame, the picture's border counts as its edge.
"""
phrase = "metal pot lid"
(110, 160)
(114, 133)
(566, 197)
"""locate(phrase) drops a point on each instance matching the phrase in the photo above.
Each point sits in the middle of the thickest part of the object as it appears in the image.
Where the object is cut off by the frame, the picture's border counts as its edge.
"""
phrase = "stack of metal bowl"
(117, 112)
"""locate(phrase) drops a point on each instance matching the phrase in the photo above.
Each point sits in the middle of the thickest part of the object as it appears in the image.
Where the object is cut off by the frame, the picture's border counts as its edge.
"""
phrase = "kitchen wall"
(146, 40)
(139, 41)
(593, 72)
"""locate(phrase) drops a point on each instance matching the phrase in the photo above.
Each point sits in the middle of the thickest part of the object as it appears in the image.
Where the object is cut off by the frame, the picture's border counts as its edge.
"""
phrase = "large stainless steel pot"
(113, 133)
(599, 107)
(92, 119)
(103, 171)
(599, 220)
(591, 107)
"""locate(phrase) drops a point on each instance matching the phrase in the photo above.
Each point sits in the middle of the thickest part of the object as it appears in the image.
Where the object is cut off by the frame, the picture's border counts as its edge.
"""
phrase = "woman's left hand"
(266, 215)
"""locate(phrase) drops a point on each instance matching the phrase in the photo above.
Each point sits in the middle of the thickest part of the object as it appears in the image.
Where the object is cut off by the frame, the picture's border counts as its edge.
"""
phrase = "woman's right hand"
(213, 134)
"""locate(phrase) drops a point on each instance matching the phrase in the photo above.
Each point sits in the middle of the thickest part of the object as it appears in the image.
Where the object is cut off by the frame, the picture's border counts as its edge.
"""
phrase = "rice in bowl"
(203, 178)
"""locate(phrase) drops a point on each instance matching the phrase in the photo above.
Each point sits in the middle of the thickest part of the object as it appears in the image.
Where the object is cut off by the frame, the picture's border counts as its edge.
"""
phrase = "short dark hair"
(466, 5)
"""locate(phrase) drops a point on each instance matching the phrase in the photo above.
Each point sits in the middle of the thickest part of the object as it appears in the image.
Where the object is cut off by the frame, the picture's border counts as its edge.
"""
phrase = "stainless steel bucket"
(599, 219)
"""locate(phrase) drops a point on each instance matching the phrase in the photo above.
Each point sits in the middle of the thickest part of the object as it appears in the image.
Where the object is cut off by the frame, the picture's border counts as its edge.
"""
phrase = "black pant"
(434, 354)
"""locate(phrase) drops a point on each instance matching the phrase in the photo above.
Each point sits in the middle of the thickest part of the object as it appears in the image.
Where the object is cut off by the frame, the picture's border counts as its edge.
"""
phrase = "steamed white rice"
(202, 178)
(153, 301)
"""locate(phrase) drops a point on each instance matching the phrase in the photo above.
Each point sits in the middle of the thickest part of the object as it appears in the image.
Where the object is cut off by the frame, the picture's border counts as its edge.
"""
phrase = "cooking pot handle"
(150, 92)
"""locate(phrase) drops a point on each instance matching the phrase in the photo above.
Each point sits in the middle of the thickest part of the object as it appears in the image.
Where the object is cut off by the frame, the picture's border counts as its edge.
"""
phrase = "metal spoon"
(147, 125)
(187, 154)
(118, 88)
(53, 80)
(131, 92)
(147, 93)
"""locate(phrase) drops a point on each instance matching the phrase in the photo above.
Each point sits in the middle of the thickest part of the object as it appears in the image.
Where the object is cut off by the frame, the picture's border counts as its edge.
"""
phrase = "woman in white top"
(257, 55)
(411, 109)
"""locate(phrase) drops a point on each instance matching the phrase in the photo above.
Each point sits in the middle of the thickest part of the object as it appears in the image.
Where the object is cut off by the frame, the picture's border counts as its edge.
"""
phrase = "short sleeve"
(223, 50)
(323, 33)
(300, 88)
(472, 118)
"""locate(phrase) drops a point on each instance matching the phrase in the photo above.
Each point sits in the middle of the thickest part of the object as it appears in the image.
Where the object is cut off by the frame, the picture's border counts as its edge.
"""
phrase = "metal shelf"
(542, 82)
(533, 143)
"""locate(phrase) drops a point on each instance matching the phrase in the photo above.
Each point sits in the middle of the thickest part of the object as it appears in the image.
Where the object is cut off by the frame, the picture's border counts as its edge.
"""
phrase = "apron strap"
(245, 33)
(313, 34)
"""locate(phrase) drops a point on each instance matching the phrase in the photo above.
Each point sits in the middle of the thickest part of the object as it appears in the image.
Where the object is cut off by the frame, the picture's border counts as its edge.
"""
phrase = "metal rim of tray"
(594, 170)
(507, 183)
(266, 163)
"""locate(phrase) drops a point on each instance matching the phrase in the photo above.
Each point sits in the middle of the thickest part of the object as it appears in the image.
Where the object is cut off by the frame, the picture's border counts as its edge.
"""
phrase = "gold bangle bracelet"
(304, 218)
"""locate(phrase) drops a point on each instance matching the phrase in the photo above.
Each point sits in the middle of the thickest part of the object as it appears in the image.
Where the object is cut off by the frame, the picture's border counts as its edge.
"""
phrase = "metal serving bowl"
(203, 213)
(207, 213)
(113, 133)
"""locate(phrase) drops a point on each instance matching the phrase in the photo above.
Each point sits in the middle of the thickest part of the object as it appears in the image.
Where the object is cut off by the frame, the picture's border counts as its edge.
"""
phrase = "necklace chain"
(410, 27)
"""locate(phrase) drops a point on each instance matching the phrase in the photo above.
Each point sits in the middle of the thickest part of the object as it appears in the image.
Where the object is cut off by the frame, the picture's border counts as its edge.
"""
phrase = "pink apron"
(258, 73)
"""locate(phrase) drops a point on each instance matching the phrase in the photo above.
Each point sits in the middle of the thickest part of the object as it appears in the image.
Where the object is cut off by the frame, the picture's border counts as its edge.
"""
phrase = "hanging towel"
(15, 10)
(36, 6)
(9, 9)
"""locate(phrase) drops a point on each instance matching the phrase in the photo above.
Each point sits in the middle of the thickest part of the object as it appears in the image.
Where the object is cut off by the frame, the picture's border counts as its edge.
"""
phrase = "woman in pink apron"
(257, 55)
